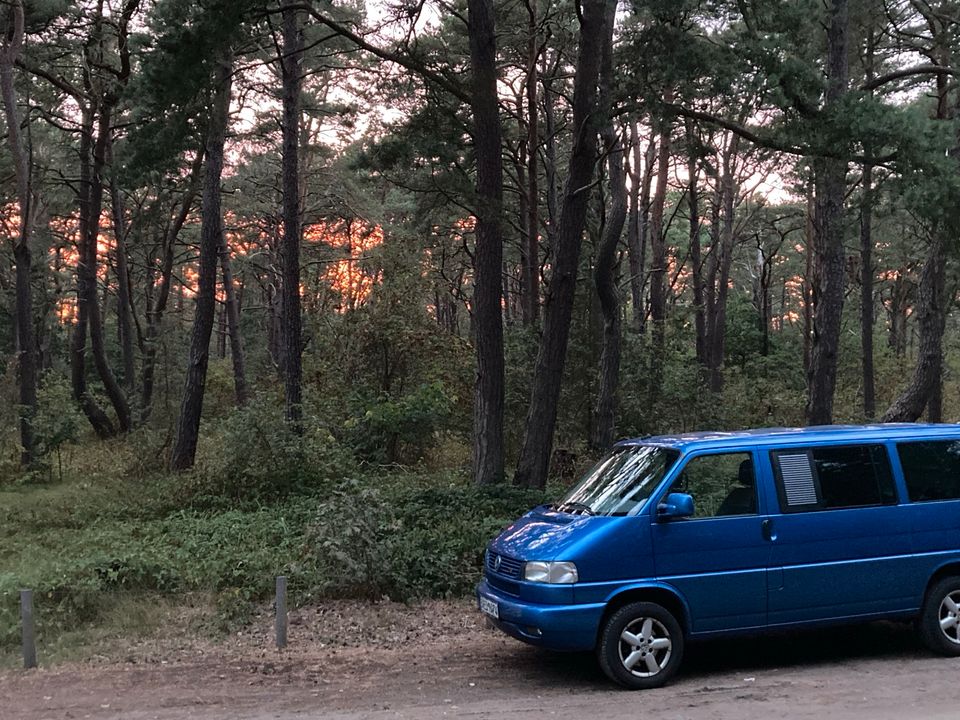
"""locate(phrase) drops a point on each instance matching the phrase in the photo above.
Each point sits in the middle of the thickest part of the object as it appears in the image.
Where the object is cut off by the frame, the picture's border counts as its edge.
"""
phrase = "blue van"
(676, 538)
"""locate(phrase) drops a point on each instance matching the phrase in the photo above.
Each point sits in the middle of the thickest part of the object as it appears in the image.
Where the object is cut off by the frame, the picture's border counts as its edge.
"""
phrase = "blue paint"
(780, 567)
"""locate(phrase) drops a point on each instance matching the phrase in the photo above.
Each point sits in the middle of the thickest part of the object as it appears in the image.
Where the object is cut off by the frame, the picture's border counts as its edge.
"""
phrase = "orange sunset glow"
(346, 275)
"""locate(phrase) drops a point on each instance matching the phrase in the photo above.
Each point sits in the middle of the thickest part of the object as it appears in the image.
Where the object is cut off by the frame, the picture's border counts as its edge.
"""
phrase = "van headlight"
(555, 573)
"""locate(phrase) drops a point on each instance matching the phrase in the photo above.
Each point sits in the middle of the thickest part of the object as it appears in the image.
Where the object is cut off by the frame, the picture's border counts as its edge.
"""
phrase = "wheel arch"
(661, 594)
(948, 569)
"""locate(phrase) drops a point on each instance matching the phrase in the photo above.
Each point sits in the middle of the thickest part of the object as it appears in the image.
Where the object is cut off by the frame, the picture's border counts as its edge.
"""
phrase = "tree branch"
(771, 143)
(406, 61)
(55, 80)
(909, 72)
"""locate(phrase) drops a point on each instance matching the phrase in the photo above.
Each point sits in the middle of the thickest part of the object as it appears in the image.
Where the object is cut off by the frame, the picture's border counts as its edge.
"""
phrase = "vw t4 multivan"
(675, 538)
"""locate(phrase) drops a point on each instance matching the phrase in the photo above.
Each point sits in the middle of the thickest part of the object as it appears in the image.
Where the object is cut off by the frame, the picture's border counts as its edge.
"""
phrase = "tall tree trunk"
(723, 253)
(646, 188)
(23, 313)
(658, 262)
(931, 318)
(830, 271)
(608, 380)
(900, 294)
(125, 312)
(925, 388)
(86, 288)
(634, 254)
(866, 263)
(488, 254)
(531, 269)
(520, 169)
(935, 403)
(188, 426)
(124, 301)
(548, 373)
(696, 262)
(222, 334)
(807, 285)
(157, 305)
(290, 248)
(232, 309)
(550, 155)
(764, 276)
(866, 293)
(98, 349)
(98, 105)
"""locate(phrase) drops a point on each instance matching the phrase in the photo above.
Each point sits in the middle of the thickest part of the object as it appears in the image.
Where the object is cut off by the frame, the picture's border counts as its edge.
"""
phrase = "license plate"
(489, 607)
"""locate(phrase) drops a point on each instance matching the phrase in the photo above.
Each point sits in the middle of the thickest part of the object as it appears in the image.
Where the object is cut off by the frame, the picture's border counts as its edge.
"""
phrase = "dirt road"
(387, 662)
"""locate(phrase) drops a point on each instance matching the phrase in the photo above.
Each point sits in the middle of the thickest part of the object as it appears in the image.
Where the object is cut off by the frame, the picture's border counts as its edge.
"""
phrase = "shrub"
(57, 422)
(254, 456)
(402, 427)
(408, 540)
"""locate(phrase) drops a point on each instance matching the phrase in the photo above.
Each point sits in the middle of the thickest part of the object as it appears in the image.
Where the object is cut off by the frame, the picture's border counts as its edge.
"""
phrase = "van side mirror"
(675, 505)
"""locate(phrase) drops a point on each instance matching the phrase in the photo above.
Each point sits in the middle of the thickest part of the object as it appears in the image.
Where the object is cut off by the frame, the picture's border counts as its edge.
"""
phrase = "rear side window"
(931, 469)
(828, 478)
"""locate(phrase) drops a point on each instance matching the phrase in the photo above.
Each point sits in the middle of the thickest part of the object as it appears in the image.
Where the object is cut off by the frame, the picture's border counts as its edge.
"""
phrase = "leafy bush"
(406, 541)
(401, 427)
(57, 422)
(253, 456)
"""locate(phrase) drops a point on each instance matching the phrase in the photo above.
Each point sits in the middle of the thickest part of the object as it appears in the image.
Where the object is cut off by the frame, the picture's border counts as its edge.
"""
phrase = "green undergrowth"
(92, 550)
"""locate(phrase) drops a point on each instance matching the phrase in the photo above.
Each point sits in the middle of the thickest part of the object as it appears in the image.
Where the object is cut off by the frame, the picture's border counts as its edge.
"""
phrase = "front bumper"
(555, 627)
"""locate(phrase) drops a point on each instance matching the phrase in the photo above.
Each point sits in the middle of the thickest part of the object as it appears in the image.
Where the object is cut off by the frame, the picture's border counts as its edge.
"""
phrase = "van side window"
(827, 478)
(721, 485)
(931, 469)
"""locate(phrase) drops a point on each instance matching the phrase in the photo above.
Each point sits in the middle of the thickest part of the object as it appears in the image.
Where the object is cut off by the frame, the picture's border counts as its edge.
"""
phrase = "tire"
(641, 646)
(940, 617)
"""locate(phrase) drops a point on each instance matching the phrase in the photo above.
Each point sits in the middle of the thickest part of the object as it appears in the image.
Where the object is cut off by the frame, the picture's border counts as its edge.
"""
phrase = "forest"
(339, 288)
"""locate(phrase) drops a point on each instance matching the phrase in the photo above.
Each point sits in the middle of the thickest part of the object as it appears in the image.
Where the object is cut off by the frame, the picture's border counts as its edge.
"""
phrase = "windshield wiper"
(577, 507)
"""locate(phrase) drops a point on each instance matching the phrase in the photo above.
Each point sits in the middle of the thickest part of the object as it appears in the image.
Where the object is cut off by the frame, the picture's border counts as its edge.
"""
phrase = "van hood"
(542, 534)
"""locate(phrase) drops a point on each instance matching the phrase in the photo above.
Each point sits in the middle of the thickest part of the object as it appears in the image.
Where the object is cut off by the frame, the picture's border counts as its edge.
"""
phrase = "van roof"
(814, 435)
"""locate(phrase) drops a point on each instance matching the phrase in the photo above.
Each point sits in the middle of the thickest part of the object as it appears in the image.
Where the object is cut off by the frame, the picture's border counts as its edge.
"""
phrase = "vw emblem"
(496, 562)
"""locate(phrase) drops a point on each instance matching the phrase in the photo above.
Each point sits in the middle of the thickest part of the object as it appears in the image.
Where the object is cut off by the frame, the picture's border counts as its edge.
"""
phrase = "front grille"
(503, 565)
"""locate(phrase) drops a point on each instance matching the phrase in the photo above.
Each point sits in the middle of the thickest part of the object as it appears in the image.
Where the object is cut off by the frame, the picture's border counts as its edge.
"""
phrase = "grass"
(124, 622)
(112, 554)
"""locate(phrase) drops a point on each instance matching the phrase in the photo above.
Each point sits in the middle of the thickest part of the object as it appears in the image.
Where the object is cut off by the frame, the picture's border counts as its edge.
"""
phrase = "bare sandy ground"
(439, 660)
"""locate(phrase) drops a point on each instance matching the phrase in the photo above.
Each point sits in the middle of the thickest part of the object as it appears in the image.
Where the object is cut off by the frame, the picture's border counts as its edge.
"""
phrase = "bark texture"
(866, 264)
(100, 96)
(696, 261)
(157, 302)
(488, 254)
(635, 249)
(721, 262)
(290, 244)
(232, 312)
(658, 262)
(926, 385)
(111, 386)
(188, 426)
(124, 296)
(86, 290)
(931, 316)
(604, 275)
(866, 293)
(26, 344)
(541, 419)
(829, 269)
(531, 254)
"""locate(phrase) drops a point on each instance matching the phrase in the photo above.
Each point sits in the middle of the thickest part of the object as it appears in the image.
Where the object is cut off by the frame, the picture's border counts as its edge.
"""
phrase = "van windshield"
(620, 482)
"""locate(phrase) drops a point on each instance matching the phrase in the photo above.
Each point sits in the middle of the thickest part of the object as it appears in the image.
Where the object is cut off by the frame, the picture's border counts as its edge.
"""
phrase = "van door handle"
(766, 528)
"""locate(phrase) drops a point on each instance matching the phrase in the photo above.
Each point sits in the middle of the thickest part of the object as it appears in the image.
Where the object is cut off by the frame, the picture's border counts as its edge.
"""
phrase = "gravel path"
(438, 660)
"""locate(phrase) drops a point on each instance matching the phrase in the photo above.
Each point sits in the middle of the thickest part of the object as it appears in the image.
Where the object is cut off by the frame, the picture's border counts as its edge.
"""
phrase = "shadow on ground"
(580, 672)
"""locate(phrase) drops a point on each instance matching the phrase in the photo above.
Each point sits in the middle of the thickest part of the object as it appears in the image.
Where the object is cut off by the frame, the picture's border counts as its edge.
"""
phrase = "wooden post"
(26, 618)
(281, 621)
